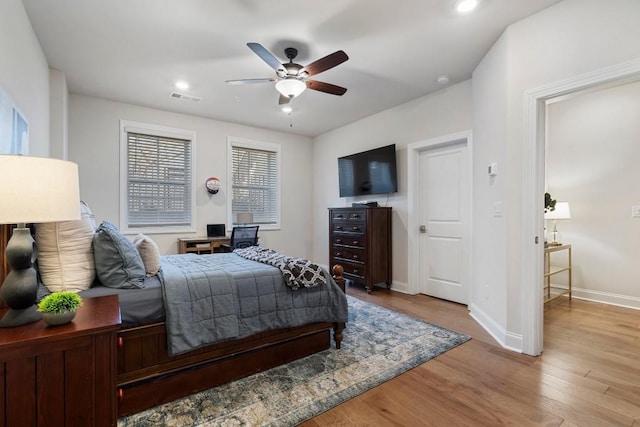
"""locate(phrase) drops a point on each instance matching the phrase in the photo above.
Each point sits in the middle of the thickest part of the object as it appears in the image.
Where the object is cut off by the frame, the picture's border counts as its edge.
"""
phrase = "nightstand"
(63, 375)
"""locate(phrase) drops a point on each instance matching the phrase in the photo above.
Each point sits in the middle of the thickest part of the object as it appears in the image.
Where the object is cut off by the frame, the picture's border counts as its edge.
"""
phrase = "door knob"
(423, 229)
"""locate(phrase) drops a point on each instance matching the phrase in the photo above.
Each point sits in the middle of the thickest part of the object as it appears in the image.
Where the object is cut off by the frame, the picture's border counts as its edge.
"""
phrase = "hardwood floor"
(588, 375)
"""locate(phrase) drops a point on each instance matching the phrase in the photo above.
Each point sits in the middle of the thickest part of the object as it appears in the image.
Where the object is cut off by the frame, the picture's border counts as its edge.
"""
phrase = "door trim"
(413, 184)
(531, 302)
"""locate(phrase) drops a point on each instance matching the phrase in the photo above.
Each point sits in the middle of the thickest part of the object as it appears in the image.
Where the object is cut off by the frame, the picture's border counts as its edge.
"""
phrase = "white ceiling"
(134, 51)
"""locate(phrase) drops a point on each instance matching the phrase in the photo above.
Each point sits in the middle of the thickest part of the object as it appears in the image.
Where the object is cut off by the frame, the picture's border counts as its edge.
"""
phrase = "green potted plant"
(549, 206)
(549, 203)
(59, 308)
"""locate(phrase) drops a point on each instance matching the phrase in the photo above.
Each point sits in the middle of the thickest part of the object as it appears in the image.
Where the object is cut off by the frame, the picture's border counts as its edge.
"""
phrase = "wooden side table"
(201, 245)
(62, 375)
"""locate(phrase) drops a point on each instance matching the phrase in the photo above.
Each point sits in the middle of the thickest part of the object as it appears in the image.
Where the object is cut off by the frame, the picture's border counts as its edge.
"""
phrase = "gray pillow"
(118, 263)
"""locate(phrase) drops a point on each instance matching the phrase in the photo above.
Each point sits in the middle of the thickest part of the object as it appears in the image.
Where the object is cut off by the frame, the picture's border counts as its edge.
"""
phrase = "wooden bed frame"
(147, 376)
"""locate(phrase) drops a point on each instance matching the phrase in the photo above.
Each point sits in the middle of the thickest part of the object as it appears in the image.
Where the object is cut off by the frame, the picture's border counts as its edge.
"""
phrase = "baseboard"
(506, 339)
(401, 287)
(606, 298)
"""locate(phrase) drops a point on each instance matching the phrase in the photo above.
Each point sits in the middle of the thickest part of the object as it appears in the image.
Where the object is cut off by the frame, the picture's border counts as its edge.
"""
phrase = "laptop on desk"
(216, 230)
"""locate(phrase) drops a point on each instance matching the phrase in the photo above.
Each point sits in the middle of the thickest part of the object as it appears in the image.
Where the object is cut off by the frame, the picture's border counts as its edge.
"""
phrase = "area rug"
(378, 345)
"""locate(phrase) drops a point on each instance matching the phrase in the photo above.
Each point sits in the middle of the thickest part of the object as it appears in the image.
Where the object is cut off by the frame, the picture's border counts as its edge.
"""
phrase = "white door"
(444, 222)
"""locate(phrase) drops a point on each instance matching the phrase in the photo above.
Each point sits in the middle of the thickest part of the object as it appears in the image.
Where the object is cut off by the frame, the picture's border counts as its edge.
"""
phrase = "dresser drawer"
(340, 215)
(348, 215)
(348, 254)
(345, 239)
(356, 215)
(353, 271)
(349, 227)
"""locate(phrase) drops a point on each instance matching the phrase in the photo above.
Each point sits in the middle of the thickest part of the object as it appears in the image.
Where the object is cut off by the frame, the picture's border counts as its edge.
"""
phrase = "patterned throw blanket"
(296, 272)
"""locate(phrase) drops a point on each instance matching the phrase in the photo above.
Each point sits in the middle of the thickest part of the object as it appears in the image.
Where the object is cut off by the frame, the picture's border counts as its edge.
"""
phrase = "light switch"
(635, 211)
(497, 209)
(493, 169)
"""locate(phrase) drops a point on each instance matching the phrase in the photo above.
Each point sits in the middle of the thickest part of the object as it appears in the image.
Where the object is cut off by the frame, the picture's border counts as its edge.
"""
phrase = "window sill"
(158, 230)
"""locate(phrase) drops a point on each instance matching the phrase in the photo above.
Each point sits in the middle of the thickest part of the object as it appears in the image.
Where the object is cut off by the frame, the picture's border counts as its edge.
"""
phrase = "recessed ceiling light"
(466, 6)
(287, 109)
(182, 85)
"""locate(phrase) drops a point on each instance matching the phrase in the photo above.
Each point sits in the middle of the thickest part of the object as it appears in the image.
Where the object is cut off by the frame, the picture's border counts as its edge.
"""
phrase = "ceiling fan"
(291, 78)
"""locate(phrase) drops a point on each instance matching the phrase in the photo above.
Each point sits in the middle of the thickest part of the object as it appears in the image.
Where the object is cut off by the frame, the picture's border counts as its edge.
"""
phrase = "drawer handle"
(120, 394)
(338, 227)
(338, 240)
(338, 253)
(355, 242)
(355, 257)
(355, 271)
(120, 342)
(355, 228)
(339, 216)
(356, 216)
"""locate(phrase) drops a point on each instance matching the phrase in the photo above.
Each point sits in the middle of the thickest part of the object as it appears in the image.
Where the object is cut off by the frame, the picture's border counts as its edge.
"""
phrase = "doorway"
(439, 199)
(533, 187)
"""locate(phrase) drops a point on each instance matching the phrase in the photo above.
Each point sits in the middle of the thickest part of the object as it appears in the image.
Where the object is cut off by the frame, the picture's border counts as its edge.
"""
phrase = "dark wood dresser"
(360, 240)
(63, 375)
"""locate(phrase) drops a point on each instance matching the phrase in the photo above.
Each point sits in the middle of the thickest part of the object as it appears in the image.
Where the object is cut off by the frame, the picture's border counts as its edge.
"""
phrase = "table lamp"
(561, 211)
(32, 190)
(244, 218)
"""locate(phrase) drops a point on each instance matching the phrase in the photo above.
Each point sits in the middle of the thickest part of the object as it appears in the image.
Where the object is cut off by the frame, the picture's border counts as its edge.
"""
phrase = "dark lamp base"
(20, 317)
(20, 288)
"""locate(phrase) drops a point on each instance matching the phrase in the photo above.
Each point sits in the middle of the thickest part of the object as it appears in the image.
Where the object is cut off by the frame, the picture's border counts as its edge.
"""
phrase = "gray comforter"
(210, 298)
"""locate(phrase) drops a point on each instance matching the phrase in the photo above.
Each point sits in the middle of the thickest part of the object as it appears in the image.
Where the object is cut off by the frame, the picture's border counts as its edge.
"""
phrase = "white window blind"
(158, 181)
(255, 184)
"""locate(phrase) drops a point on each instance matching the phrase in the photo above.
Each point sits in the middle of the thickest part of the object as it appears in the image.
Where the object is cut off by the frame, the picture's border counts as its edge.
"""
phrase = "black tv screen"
(369, 172)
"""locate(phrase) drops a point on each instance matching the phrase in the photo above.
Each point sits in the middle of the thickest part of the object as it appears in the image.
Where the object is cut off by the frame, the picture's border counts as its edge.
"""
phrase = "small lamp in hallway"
(561, 211)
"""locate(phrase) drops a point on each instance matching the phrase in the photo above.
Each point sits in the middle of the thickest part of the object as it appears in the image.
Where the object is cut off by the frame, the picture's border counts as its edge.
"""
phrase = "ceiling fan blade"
(283, 100)
(323, 64)
(250, 81)
(265, 55)
(326, 87)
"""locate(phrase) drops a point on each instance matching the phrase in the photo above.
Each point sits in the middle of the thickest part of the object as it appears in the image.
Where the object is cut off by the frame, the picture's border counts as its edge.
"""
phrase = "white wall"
(59, 108)
(592, 162)
(570, 38)
(24, 73)
(94, 126)
(447, 111)
(488, 278)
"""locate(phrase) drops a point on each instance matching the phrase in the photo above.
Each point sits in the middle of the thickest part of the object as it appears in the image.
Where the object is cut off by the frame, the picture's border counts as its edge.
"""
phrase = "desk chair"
(242, 237)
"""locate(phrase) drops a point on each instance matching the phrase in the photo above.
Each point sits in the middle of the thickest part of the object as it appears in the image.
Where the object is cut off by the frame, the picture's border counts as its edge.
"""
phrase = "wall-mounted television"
(368, 172)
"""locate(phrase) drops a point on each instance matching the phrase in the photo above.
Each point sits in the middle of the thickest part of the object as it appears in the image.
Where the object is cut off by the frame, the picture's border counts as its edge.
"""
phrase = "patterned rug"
(378, 345)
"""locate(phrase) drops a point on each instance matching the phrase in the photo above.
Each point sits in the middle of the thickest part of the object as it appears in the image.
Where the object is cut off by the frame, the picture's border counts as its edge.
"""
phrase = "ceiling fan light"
(290, 87)
(466, 6)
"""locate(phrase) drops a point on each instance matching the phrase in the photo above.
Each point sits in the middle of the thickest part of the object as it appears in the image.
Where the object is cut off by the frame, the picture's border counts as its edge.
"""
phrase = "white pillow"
(149, 253)
(65, 253)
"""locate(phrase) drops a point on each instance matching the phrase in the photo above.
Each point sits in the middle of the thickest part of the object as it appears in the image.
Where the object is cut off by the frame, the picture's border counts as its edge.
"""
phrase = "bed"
(148, 373)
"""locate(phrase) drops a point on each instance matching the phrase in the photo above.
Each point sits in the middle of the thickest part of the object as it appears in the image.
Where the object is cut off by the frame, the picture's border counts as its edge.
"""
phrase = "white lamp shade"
(38, 189)
(561, 211)
(291, 87)
(245, 217)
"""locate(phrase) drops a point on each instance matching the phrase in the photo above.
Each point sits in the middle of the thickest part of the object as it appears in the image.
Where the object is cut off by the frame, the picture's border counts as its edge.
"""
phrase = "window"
(156, 190)
(254, 174)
